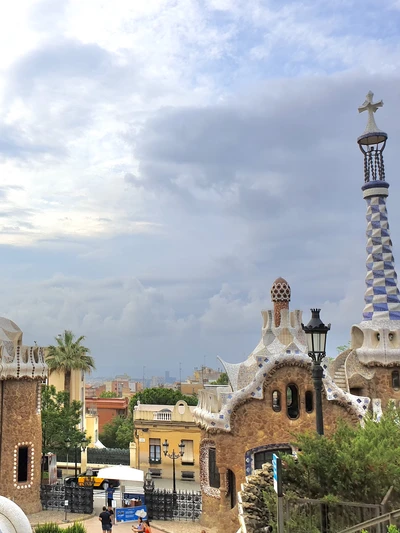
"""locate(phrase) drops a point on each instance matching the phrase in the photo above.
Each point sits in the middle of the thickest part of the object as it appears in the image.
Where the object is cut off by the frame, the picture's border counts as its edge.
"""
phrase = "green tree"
(60, 420)
(108, 394)
(117, 433)
(67, 355)
(353, 464)
(222, 380)
(160, 396)
(343, 347)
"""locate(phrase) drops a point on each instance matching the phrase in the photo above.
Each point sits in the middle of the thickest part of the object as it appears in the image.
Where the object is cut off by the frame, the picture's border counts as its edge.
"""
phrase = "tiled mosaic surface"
(382, 294)
(249, 456)
(205, 445)
(221, 419)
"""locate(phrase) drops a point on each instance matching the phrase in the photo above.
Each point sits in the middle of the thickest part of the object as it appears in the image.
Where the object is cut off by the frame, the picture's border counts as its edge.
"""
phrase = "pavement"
(93, 526)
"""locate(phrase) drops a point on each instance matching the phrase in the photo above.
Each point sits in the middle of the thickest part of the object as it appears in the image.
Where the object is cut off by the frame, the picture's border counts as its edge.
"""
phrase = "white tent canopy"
(122, 473)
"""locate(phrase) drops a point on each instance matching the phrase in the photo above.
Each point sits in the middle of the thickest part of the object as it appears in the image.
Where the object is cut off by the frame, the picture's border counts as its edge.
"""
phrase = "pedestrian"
(105, 520)
(140, 527)
(110, 495)
(111, 513)
(147, 528)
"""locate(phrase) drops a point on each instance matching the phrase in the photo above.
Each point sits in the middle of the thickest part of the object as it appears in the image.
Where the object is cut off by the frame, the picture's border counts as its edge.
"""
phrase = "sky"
(163, 162)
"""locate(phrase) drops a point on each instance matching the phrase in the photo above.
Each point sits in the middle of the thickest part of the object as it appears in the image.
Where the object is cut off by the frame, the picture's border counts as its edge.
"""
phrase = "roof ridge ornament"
(371, 107)
(372, 142)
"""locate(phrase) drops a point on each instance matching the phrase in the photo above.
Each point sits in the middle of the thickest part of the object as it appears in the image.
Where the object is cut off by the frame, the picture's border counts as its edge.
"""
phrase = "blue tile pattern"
(382, 298)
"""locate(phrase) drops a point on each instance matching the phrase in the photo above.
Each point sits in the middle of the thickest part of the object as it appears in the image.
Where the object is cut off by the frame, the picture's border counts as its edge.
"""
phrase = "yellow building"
(77, 391)
(156, 423)
(92, 427)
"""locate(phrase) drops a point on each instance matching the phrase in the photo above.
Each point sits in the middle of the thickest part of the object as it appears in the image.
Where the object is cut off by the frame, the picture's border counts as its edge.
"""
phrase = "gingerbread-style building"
(271, 394)
(22, 371)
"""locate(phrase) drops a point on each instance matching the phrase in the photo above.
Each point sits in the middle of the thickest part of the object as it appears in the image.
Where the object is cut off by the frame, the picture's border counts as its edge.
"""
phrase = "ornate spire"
(280, 296)
(372, 142)
(382, 295)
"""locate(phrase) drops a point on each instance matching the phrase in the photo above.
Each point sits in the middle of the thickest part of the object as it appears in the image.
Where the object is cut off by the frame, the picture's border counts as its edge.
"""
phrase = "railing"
(334, 517)
(165, 505)
(80, 499)
(388, 517)
(162, 416)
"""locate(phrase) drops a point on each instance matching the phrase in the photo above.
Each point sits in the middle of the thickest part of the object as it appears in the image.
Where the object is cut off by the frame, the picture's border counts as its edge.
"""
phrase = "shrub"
(47, 528)
(54, 528)
(75, 528)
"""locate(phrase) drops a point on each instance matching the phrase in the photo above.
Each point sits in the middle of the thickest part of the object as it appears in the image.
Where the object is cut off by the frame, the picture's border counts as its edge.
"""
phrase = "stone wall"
(379, 386)
(256, 424)
(20, 425)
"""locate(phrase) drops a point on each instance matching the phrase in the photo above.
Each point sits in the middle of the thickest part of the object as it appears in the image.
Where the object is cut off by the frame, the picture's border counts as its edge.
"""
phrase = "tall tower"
(376, 338)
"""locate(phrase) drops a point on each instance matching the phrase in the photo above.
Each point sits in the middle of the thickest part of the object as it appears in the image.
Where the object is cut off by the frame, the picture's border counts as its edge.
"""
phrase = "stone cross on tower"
(371, 107)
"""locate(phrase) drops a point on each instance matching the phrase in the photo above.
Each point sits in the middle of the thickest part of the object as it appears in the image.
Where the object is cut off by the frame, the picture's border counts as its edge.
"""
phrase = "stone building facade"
(271, 395)
(22, 371)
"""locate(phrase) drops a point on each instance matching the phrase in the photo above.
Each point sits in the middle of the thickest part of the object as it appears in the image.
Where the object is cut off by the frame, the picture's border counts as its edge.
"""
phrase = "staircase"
(340, 378)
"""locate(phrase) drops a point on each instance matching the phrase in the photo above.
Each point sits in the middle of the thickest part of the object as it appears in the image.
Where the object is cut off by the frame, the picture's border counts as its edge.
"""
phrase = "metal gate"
(80, 499)
(165, 505)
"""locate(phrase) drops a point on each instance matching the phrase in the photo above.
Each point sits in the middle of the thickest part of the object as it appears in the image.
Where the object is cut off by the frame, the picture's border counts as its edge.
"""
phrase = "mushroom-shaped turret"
(280, 296)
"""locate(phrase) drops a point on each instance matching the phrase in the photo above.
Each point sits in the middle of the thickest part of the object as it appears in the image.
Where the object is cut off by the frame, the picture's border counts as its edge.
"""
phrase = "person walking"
(112, 517)
(105, 520)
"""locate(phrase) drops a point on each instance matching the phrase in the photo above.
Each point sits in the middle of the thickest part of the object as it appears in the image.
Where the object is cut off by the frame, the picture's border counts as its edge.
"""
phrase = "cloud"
(163, 162)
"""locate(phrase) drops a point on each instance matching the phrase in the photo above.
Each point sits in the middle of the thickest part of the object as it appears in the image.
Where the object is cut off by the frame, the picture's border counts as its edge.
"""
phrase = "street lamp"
(83, 445)
(67, 445)
(174, 456)
(316, 333)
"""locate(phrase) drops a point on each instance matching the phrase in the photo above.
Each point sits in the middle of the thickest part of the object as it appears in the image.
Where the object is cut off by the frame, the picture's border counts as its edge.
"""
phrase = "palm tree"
(69, 354)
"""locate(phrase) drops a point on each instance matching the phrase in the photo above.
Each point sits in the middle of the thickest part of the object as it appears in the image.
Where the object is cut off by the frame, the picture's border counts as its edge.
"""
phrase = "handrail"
(373, 522)
(345, 374)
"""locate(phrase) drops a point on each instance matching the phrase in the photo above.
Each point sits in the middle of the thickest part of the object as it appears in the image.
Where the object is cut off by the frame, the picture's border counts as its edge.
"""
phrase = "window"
(265, 456)
(232, 488)
(276, 400)
(292, 401)
(22, 464)
(213, 473)
(309, 401)
(155, 451)
(395, 379)
(188, 456)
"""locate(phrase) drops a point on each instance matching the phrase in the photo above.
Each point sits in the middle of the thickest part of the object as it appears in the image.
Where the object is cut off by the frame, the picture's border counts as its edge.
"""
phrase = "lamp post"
(174, 456)
(67, 445)
(316, 332)
(83, 446)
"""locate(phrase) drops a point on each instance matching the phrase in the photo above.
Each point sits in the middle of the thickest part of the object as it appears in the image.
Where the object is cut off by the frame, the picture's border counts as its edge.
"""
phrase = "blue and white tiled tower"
(377, 339)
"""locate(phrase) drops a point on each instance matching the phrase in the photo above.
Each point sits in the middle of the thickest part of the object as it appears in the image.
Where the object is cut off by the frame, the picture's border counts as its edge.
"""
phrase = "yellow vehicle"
(90, 479)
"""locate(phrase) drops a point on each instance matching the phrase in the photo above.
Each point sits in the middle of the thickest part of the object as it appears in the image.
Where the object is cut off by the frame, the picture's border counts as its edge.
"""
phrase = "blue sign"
(133, 496)
(130, 514)
(275, 471)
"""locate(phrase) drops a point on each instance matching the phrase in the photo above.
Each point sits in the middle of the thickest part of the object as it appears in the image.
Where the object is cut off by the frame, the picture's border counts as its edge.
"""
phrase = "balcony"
(162, 415)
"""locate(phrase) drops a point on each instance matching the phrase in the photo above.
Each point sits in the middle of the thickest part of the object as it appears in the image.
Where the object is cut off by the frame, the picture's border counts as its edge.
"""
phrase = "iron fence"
(309, 516)
(80, 499)
(108, 456)
(165, 505)
(101, 456)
